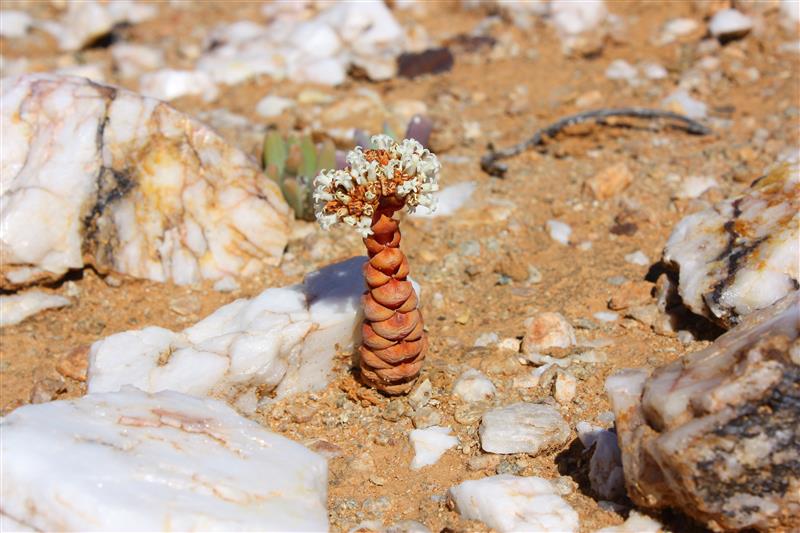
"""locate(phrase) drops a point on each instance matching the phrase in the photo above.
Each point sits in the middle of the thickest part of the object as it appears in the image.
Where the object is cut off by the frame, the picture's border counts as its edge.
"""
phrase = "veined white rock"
(97, 174)
(512, 503)
(744, 253)
(283, 340)
(163, 462)
(15, 308)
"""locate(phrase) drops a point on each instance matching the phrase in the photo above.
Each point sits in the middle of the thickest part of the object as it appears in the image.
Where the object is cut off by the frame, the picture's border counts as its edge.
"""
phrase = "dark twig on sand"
(489, 162)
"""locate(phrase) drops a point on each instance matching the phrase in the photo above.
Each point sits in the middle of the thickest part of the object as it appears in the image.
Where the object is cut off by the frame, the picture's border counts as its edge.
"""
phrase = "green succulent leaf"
(273, 174)
(309, 167)
(275, 151)
(387, 129)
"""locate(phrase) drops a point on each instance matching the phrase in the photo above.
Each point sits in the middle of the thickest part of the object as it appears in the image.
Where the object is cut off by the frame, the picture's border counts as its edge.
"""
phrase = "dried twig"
(489, 162)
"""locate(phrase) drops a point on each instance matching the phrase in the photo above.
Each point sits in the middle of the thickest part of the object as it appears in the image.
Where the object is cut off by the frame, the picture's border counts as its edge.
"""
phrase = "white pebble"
(273, 106)
(559, 231)
(729, 24)
(681, 102)
(694, 186)
(547, 330)
(654, 71)
(448, 200)
(511, 503)
(606, 316)
(522, 428)
(636, 523)
(565, 388)
(619, 69)
(473, 386)
(486, 339)
(430, 444)
(637, 258)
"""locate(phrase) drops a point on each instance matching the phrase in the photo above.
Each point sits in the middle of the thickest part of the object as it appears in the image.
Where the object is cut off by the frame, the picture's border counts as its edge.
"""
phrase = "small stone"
(654, 71)
(681, 102)
(377, 480)
(185, 305)
(523, 428)
(534, 275)
(564, 485)
(606, 316)
(589, 99)
(514, 267)
(112, 280)
(425, 417)
(729, 24)
(469, 413)
(695, 186)
(473, 386)
(610, 181)
(616, 280)
(482, 462)
(324, 448)
(547, 330)
(565, 387)
(75, 363)
(486, 339)
(363, 463)
(619, 69)
(636, 523)
(394, 410)
(559, 231)
(429, 445)
(301, 413)
(685, 337)
(508, 467)
(46, 389)
(226, 284)
(510, 503)
(407, 526)
(376, 506)
(637, 258)
(273, 106)
(421, 394)
(509, 344)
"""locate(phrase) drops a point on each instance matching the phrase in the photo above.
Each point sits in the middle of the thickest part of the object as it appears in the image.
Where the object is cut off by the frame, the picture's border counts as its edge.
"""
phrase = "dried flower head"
(391, 174)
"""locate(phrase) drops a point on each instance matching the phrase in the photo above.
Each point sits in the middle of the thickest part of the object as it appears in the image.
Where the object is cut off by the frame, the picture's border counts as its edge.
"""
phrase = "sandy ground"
(463, 258)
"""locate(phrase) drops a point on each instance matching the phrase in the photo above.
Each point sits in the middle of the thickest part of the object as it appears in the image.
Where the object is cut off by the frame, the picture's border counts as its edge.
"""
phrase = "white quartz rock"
(89, 19)
(637, 258)
(473, 386)
(168, 84)
(15, 308)
(729, 24)
(523, 428)
(14, 23)
(619, 69)
(132, 60)
(605, 466)
(695, 186)
(743, 254)
(449, 200)
(164, 462)
(547, 330)
(429, 445)
(98, 172)
(559, 231)
(284, 340)
(512, 503)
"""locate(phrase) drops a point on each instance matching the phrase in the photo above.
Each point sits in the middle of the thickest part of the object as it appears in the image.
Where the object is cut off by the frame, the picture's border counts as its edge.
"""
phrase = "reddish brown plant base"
(393, 343)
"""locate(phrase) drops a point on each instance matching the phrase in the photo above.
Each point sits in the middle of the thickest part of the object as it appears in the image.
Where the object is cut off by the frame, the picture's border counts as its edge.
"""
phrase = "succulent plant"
(292, 163)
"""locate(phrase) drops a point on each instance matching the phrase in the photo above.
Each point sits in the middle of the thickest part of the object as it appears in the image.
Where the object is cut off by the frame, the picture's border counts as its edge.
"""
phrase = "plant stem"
(489, 162)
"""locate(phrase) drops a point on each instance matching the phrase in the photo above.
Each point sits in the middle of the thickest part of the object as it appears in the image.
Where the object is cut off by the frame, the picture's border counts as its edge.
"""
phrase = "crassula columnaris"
(376, 184)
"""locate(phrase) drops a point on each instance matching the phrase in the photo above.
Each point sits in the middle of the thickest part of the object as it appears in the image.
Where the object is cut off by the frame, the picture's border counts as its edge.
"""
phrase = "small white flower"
(383, 142)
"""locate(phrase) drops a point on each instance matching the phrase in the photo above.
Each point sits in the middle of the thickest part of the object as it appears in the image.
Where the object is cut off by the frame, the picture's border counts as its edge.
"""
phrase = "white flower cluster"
(368, 180)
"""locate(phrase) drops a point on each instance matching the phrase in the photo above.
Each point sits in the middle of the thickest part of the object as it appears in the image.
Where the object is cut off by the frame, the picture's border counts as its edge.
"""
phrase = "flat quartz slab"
(155, 462)
(282, 340)
(95, 174)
